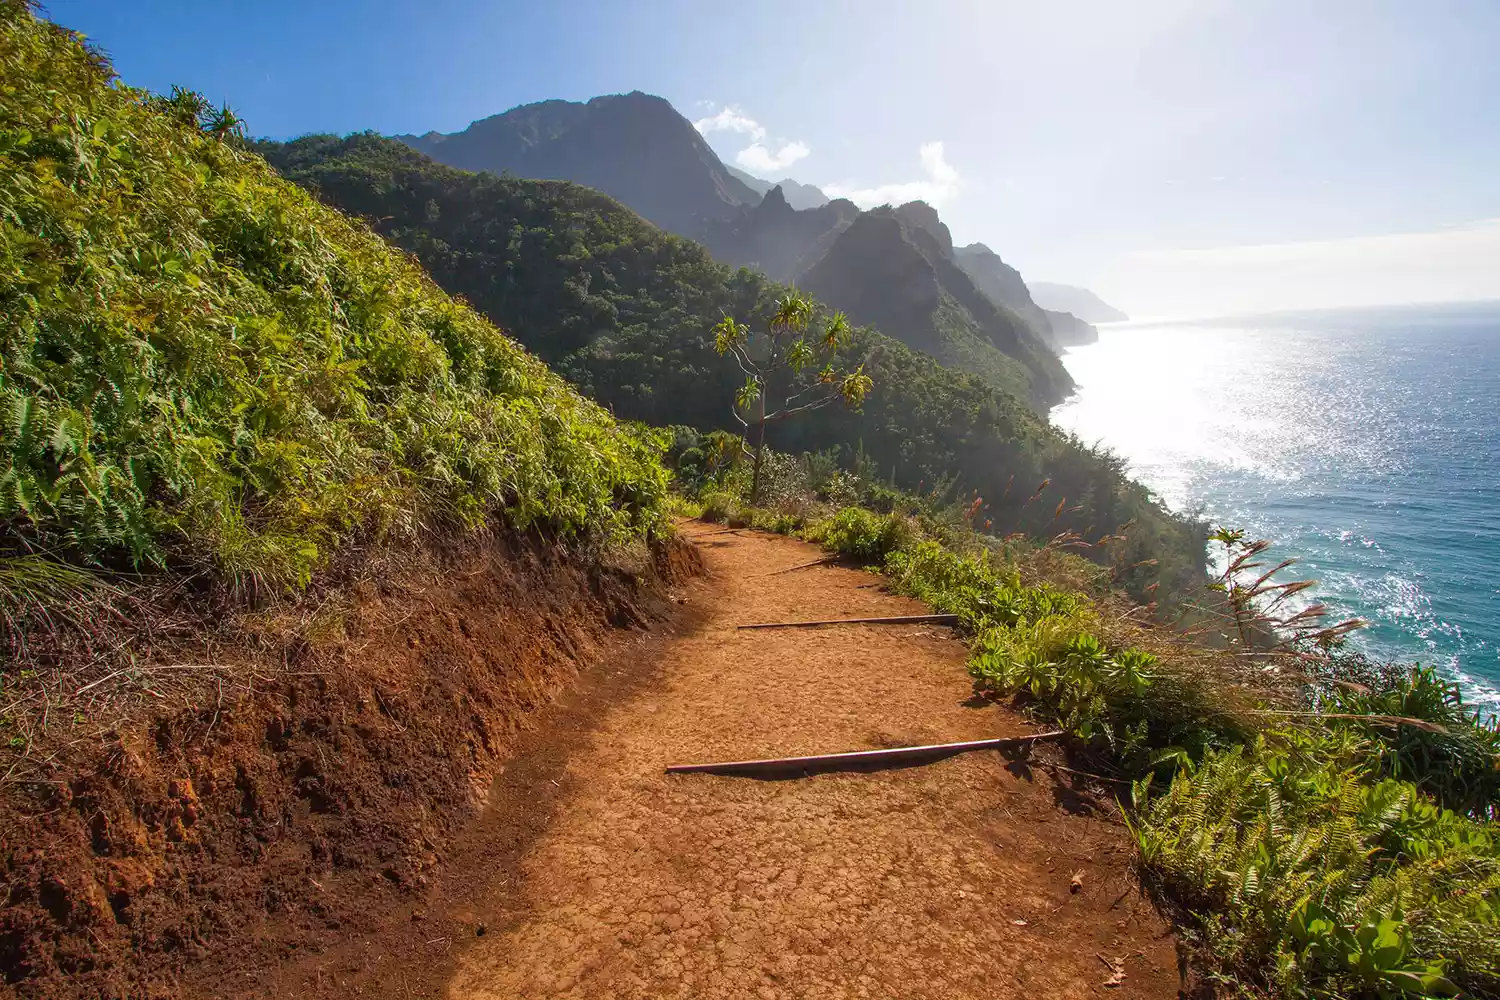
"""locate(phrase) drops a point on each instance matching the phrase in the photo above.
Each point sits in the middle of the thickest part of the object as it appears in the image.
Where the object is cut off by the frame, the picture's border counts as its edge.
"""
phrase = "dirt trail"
(949, 880)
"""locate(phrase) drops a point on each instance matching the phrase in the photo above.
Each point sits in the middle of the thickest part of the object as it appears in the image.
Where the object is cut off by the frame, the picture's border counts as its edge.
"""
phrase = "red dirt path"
(949, 880)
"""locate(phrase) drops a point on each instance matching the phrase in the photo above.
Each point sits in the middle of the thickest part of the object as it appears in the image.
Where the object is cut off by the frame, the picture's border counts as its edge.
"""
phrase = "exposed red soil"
(950, 880)
(247, 830)
(591, 873)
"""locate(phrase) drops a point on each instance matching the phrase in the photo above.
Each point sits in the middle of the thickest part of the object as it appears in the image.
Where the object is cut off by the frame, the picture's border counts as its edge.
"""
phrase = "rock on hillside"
(634, 147)
(894, 268)
(1081, 302)
(799, 196)
(777, 239)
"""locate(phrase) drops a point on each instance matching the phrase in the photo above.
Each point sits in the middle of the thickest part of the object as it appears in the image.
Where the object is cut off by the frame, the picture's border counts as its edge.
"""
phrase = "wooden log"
(897, 620)
(858, 760)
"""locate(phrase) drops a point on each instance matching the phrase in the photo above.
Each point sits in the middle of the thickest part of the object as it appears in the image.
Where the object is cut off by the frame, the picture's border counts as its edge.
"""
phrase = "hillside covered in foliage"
(903, 276)
(205, 366)
(624, 311)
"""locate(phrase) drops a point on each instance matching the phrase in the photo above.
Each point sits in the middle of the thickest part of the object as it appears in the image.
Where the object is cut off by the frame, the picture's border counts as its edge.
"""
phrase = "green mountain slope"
(624, 311)
(204, 365)
(897, 269)
(1003, 284)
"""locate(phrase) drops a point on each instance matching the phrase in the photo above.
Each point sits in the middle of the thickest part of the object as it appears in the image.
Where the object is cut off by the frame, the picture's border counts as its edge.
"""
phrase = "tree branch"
(793, 398)
(816, 404)
(746, 365)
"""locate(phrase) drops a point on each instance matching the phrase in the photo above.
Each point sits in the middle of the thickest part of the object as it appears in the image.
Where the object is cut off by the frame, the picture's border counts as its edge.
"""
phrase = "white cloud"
(760, 157)
(731, 119)
(940, 185)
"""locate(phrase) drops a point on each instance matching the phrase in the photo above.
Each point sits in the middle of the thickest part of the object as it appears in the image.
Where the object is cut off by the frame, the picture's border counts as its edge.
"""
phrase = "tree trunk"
(760, 447)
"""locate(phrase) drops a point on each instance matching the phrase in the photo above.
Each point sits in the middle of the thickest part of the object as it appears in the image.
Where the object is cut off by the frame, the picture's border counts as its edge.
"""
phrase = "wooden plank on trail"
(897, 620)
(858, 760)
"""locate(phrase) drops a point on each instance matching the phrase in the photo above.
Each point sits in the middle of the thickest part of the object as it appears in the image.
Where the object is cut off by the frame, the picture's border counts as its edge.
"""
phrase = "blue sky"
(1179, 157)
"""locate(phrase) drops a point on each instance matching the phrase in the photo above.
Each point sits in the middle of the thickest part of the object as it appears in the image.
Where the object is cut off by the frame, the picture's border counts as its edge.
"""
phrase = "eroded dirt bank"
(188, 853)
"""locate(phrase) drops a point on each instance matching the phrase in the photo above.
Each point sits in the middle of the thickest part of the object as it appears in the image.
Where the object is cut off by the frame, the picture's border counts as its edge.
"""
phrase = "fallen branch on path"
(858, 760)
(897, 620)
(825, 561)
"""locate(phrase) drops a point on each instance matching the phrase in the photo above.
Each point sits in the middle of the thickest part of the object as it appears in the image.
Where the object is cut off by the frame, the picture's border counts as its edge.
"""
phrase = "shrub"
(719, 506)
(202, 364)
(981, 590)
(1456, 759)
(869, 538)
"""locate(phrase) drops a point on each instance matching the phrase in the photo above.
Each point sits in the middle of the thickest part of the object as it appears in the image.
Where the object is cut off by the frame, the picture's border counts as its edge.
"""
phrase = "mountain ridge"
(798, 195)
(634, 147)
(639, 150)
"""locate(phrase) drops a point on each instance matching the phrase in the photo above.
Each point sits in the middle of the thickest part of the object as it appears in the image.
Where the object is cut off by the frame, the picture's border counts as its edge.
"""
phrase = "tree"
(778, 362)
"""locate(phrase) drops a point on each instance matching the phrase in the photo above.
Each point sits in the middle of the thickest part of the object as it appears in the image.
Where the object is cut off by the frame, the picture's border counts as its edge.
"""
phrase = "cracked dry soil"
(945, 881)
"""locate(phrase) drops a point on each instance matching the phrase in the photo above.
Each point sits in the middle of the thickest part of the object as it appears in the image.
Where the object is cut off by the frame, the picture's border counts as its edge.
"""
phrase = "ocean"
(1365, 443)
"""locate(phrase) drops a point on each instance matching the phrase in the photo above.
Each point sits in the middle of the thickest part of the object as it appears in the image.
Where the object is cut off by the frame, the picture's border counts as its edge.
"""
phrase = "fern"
(1375, 859)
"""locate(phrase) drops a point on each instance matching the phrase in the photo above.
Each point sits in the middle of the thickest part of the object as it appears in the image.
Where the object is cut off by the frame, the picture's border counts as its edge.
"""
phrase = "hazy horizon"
(1175, 157)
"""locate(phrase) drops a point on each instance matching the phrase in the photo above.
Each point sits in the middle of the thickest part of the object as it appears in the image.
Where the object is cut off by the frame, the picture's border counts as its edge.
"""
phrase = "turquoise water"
(1365, 443)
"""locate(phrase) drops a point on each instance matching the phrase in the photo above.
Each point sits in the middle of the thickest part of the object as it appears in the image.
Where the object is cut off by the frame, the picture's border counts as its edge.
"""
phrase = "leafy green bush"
(202, 363)
(1311, 880)
(869, 538)
(719, 506)
(1456, 759)
(984, 592)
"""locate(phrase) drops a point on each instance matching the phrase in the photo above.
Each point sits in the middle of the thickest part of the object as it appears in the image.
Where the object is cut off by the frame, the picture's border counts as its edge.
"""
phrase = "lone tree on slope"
(778, 364)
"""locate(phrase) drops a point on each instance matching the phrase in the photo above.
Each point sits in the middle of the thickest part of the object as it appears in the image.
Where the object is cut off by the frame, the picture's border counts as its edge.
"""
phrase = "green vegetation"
(958, 343)
(1324, 827)
(1308, 875)
(780, 362)
(1455, 759)
(202, 365)
(624, 311)
(202, 368)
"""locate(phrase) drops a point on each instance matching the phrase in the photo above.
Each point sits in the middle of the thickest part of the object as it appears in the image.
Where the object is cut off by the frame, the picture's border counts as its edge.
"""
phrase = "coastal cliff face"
(1004, 284)
(894, 269)
(1070, 331)
(1081, 302)
(634, 147)
(777, 239)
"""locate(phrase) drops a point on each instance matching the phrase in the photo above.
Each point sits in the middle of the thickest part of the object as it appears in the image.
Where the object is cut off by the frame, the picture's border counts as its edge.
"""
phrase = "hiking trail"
(595, 875)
